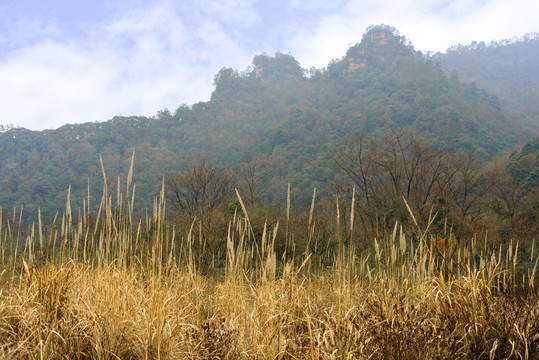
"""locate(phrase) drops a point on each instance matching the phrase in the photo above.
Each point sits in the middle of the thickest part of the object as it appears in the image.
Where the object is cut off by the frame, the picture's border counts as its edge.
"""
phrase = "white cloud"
(241, 13)
(25, 31)
(166, 53)
(137, 65)
(431, 25)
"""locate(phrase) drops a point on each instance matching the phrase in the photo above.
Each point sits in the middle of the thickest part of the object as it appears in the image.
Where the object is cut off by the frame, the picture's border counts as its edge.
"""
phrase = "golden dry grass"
(116, 289)
(73, 311)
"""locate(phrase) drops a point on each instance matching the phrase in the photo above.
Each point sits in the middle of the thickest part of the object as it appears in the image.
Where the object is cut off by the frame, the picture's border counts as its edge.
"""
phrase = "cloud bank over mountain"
(80, 62)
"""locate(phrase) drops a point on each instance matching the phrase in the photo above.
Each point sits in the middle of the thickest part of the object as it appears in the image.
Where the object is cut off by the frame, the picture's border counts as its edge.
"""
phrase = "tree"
(200, 191)
(278, 67)
(514, 204)
(387, 169)
(4, 128)
(467, 189)
(253, 176)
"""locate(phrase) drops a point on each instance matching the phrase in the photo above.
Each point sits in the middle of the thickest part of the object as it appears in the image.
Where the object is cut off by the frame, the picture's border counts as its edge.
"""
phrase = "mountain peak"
(278, 66)
(379, 44)
(380, 35)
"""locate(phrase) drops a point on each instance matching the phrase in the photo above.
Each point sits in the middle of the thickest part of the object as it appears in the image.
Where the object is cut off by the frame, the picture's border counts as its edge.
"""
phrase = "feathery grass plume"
(309, 225)
(338, 219)
(352, 213)
(40, 228)
(287, 219)
(127, 188)
(138, 291)
(250, 227)
(2, 240)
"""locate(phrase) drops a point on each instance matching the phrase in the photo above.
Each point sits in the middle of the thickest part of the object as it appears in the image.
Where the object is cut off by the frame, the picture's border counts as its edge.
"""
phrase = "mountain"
(507, 69)
(275, 111)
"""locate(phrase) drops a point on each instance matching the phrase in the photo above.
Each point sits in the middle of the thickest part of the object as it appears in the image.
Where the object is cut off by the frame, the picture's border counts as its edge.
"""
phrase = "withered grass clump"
(117, 289)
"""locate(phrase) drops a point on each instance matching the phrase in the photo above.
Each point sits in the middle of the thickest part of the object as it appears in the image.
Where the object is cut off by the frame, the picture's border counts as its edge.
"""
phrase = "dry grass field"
(113, 288)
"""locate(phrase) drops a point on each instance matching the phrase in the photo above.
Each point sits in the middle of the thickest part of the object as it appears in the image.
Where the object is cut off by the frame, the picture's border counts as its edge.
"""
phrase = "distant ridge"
(274, 111)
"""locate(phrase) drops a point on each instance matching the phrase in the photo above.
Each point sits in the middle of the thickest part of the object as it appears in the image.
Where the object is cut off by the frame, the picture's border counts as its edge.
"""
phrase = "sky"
(82, 61)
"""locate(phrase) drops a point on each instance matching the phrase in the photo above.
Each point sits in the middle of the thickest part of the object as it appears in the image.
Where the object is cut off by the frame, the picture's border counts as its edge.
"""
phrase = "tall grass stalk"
(124, 288)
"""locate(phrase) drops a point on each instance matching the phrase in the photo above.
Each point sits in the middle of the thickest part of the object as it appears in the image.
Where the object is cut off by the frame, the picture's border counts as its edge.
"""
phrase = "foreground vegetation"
(416, 247)
(109, 287)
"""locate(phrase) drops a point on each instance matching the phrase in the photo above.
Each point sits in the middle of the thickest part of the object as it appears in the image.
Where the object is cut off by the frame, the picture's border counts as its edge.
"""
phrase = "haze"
(79, 61)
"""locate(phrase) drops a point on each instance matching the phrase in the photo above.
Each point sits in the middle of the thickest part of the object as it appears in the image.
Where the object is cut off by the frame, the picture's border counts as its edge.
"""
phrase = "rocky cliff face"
(357, 61)
(380, 44)
(379, 37)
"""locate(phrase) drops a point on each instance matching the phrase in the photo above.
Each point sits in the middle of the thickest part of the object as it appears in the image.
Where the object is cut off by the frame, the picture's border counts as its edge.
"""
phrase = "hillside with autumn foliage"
(291, 121)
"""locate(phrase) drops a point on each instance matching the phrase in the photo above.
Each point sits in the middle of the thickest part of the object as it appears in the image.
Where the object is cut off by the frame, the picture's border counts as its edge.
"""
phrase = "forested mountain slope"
(275, 111)
(507, 69)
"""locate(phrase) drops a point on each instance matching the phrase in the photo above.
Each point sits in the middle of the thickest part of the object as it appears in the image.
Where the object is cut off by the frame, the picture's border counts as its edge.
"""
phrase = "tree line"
(394, 177)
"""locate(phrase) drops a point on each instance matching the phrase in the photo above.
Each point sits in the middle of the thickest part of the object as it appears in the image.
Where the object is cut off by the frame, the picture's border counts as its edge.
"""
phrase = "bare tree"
(507, 196)
(253, 175)
(200, 190)
(468, 189)
(386, 169)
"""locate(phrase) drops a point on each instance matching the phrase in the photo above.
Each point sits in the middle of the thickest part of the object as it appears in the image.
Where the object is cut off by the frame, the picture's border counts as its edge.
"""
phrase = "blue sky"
(79, 60)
